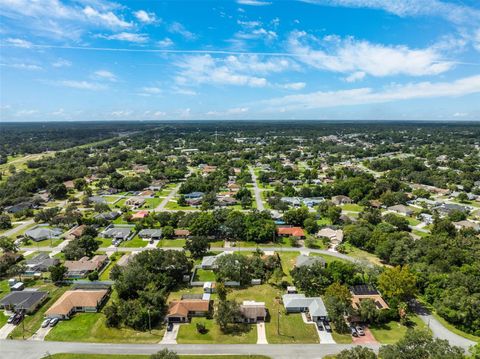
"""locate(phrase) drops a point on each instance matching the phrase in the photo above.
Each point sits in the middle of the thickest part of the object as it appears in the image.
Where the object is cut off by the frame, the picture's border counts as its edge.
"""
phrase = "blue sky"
(244, 59)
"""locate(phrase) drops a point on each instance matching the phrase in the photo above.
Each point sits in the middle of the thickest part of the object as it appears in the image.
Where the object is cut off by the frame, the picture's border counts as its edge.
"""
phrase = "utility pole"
(149, 321)
(278, 321)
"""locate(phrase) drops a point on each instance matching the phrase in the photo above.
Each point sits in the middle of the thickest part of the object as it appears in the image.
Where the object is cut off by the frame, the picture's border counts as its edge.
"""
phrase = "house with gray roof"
(26, 300)
(208, 262)
(118, 233)
(303, 260)
(298, 303)
(41, 233)
(150, 233)
(40, 263)
(97, 200)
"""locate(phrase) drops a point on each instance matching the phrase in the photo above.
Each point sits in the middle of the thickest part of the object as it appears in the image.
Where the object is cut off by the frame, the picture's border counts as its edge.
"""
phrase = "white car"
(45, 323)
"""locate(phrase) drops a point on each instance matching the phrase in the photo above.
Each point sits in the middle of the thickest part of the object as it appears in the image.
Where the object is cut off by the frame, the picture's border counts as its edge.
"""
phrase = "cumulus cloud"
(107, 18)
(61, 63)
(19, 43)
(166, 42)
(230, 112)
(348, 55)
(105, 75)
(81, 85)
(145, 17)
(177, 28)
(293, 86)
(365, 95)
(253, 2)
(22, 66)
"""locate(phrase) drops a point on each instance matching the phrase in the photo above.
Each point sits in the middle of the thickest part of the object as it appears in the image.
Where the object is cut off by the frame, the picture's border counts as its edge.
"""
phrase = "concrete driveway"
(261, 334)
(6, 330)
(41, 333)
(171, 337)
(325, 337)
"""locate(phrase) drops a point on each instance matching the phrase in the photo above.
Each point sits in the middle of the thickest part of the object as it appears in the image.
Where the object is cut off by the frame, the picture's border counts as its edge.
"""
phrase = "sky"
(68, 60)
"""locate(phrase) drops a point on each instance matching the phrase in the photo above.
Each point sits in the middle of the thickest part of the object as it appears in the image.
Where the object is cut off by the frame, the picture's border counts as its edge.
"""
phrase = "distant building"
(401, 209)
(253, 312)
(85, 266)
(41, 233)
(306, 261)
(74, 301)
(26, 300)
(298, 303)
(181, 311)
(40, 263)
(339, 200)
(297, 232)
(150, 233)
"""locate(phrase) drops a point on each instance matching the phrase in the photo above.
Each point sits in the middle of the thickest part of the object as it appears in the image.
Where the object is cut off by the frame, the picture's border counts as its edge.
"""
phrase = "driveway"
(167, 199)
(41, 333)
(6, 330)
(261, 334)
(171, 337)
(256, 190)
(325, 337)
(368, 338)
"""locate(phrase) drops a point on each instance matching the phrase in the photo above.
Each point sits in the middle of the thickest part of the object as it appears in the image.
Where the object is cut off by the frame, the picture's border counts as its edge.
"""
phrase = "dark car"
(353, 331)
(169, 327)
(17, 319)
(327, 326)
(320, 326)
(360, 331)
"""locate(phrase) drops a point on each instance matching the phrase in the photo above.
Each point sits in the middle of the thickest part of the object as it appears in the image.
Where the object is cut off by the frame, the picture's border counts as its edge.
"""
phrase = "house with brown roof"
(75, 301)
(85, 266)
(291, 232)
(135, 202)
(181, 233)
(366, 291)
(139, 215)
(76, 232)
(181, 311)
(253, 312)
(338, 200)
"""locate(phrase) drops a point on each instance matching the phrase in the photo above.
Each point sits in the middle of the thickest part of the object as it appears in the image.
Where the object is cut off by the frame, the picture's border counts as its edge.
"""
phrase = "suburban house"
(209, 287)
(135, 202)
(97, 200)
(41, 233)
(298, 303)
(69, 184)
(76, 233)
(253, 312)
(19, 207)
(150, 233)
(447, 208)
(40, 263)
(108, 216)
(75, 301)
(181, 311)
(208, 262)
(117, 233)
(401, 209)
(194, 195)
(84, 266)
(306, 261)
(26, 300)
(296, 232)
(466, 224)
(334, 235)
(366, 291)
(338, 200)
(139, 215)
(181, 233)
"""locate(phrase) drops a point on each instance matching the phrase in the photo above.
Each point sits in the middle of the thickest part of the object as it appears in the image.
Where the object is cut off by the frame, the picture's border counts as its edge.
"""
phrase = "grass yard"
(4, 288)
(177, 243)
(32, 322)
(328, 259)
(116, 356)
(152, 203)
(412, 221)
(188, 334)
(175, 206)
(45, 243)
(420, 234)
(203, 275)
(4, 230)
(288, 262)
(342, 338)
(392, 332)
(91, 327)
(106, 272)
(136, 242)
(177, 295)
(324, 222)
(105, 242)
(353, 207)
(3, 319)
(362, 255)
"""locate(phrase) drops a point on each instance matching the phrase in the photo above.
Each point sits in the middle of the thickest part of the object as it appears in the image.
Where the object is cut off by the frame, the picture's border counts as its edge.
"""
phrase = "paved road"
(256, 190)
(13, 349)
(6, 330)
(439, 331)
(170, 196)
(17, 229)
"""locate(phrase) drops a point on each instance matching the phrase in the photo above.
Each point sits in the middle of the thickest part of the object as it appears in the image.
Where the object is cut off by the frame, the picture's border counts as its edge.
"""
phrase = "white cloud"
(365, 95)
(476, 43)
(456, 13)
(22, 66)
(460, 114)
(243, 70)
(149, 91)
(293, 86)
(107, 18)
(230, 112)
(166, 42)
(22, 113)
(349, 55)
(121, 113)
(145, 17)
(183, 91)
(253, 2)
(177, 28)
(126, 36)
(19, 43)
(81, 85)
(356, 76)
(61, 63)
(105, 75)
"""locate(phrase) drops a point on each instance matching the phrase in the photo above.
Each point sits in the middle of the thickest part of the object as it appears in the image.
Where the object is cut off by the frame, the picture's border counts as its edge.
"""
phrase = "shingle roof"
(183, 307)
(291, 231)
(76, 298)
(23, 300)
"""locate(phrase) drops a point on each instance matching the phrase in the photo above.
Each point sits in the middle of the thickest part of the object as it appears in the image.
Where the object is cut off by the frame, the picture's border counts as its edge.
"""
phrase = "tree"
(17, 270)
(228, 311)
(357, 352)
(400, 223)
(113, 318)
(93, 276)
(58, 191)
(168, 232)
(398, 282)
(368, 311)
(181, 201)
(340, 293)
(334, 213)
(222, 291)
(462, 197)
(310, 225)
(296, 217)
(5, 221)
(89, 244)
(165, 354)
(57, 273)
(198, 246)
(7, 245)
(419, 344)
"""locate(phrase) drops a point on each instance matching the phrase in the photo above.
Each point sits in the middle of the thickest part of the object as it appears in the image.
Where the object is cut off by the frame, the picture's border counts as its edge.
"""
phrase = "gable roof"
(23, 300)
(252, 309)
(291, 231)
(183, 307)
(76, 298)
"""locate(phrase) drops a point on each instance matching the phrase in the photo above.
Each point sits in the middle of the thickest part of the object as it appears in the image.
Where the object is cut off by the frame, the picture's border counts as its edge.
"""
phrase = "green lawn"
(177, 295)
(4, 288)
(171, 243)
(392, 332)
(116, 356)
(91, 327)
(32, 322)
(420, 234)
(105, 242)
(288, 262)
(106, 273)
(45, 243)
(203, 275)
(328, 259)
(175, 206)
(136, 242)
(324, 222)
(341, 338)
(188, 334)
(152, 203)
(352, 207)
(362, 255)
(3, 319)
(412, 221)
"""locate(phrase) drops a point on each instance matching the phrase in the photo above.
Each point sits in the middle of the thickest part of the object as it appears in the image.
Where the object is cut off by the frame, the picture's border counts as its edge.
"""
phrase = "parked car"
(45, 323)
(53, 322)
(320, 326)
(11, 319)
(353, 331)
(17, 319)
(360, 330)
(169, 327)
(327, 326)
